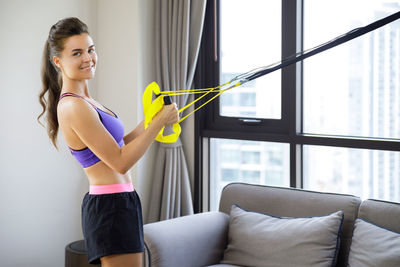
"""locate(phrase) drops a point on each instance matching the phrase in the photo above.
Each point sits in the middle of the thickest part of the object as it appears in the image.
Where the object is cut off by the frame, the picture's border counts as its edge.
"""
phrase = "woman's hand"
(169, 114)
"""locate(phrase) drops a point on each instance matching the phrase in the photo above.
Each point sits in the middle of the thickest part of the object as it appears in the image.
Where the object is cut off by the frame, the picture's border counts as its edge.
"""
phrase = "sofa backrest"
(382, 213)
(290, 202)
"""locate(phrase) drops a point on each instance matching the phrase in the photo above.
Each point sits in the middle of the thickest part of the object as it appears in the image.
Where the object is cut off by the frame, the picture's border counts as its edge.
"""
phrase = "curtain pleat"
(179, 25)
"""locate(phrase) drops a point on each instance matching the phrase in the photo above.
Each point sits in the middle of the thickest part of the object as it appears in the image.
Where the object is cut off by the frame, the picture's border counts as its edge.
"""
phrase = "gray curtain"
(179, 24)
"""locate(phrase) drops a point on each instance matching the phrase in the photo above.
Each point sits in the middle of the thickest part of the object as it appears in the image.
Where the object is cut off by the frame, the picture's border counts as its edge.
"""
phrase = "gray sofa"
(201, 239)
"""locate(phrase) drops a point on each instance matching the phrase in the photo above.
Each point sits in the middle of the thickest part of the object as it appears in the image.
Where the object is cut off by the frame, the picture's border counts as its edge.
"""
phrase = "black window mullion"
(349, 142)
(299, 92)
(289, 88)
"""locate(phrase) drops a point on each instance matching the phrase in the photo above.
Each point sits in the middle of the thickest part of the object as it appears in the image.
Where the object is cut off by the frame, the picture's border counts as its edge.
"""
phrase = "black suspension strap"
(254, 74)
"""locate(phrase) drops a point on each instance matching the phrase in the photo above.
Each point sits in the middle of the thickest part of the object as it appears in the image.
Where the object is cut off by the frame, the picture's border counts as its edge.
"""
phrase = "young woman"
(111, 210)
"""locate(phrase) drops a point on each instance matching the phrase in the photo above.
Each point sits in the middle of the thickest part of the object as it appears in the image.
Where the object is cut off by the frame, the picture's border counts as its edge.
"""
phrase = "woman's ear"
(56, 61)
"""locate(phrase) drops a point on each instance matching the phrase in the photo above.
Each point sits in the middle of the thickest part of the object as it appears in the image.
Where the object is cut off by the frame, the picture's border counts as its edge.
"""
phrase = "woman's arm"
(85, 122)
(134, 133)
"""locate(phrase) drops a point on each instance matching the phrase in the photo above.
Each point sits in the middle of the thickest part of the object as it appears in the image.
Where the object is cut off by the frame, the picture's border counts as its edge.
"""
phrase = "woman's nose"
(87, 57)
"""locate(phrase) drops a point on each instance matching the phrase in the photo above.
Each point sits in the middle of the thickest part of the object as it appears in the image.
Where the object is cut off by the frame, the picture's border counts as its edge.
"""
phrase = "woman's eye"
(91, 50)
(76, 54)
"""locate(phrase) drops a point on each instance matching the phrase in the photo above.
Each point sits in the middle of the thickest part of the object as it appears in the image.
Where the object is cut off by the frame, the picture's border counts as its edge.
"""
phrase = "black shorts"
(112, 224)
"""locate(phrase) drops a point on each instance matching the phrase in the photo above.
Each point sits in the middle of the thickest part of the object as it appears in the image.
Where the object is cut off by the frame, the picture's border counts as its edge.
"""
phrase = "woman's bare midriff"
(101, 174)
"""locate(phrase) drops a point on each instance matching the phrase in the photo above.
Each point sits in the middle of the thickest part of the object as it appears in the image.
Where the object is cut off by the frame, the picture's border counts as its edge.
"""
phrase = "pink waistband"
(110, 188)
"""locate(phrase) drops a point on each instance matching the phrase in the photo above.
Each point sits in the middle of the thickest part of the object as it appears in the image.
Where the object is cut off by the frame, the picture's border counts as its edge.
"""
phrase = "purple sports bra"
(114, 126)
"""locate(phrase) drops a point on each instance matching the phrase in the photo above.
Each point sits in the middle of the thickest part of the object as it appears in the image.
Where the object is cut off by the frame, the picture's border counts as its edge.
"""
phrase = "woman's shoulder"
(73, 108)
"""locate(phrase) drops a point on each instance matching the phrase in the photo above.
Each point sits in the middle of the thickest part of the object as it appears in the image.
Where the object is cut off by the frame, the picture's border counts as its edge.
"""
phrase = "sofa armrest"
(194, 240)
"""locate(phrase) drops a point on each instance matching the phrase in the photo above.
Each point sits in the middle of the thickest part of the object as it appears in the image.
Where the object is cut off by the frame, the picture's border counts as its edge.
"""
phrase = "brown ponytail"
(51, 75)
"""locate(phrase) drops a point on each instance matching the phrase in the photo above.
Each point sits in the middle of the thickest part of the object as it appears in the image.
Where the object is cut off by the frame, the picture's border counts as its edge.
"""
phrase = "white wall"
(41, 189)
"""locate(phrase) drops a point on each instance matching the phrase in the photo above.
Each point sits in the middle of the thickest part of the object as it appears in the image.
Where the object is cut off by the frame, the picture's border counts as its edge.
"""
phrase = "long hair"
(51, 74)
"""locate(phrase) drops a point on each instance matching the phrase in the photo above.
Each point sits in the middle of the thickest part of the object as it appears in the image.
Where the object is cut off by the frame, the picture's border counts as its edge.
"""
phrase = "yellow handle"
(151, 108)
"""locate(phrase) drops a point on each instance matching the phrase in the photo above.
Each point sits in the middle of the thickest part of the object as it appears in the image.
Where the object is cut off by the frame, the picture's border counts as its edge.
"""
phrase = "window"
(366, 173)
(356, 90)
(249, 162)
(239, 28)
(330, 123)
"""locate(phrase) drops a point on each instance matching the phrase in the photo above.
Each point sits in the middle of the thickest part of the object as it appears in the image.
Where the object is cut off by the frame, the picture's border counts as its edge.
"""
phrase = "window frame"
(289, 129)
(209, 56)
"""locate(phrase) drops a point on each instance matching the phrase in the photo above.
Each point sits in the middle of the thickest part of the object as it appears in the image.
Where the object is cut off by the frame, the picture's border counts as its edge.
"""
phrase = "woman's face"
(78, 59)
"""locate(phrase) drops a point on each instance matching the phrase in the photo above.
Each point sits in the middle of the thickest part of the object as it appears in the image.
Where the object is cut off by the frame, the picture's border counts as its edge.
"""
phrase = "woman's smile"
(88, 67)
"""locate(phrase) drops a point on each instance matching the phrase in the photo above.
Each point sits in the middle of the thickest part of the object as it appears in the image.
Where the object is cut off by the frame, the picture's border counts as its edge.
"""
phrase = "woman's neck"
(80, 88)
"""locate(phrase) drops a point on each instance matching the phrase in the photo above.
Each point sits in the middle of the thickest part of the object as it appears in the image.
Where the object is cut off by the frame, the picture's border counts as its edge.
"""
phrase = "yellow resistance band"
(151, 108)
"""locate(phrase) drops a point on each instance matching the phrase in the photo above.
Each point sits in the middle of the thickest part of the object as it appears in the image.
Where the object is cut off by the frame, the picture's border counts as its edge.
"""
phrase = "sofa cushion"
(382, 213)
(290, 202)
(374, 246)
(256, 239)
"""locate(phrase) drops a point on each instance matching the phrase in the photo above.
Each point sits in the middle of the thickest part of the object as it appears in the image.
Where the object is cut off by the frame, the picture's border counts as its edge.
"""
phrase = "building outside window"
(356, 93)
